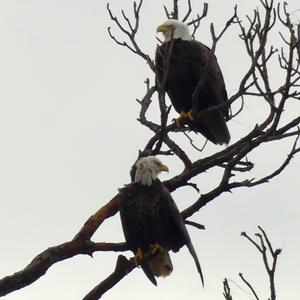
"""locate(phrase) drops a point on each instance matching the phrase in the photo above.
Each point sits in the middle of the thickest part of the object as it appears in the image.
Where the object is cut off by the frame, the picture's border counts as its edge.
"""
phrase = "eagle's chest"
(143, 208)
(180, 83)
(143, 211)
(143, 222)
(180, 71)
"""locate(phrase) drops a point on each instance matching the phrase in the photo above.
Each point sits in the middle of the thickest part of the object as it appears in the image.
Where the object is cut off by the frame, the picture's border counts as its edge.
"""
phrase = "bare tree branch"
(270, 267)
(226, 290)
(194, 224)
(123, 267)
(249, 286)
(42, 262)
(130, 32)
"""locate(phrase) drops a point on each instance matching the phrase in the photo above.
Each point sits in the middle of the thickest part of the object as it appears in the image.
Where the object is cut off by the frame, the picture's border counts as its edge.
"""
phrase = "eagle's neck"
(179, 34)
(145, 176)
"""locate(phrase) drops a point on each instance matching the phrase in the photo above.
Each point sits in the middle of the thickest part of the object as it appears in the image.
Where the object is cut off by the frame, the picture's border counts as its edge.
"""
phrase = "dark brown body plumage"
(190, 62)
(149, 215)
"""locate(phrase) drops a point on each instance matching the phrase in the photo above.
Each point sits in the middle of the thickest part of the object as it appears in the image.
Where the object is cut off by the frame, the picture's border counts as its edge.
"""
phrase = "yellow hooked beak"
(164, 28)
(163, 168)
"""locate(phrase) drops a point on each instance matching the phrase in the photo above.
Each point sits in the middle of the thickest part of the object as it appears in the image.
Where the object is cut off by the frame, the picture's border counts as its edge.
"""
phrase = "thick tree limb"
(123, 267)
(42, 262)
(92, 224)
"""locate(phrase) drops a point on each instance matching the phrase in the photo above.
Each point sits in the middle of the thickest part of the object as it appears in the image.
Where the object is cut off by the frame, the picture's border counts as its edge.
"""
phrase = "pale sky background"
(69, 136)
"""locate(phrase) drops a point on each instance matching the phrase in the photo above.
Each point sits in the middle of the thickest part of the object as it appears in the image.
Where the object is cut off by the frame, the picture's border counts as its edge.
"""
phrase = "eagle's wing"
(205, 69)
(175, 215)
(128, 215)
(124, 207)
(214, 74)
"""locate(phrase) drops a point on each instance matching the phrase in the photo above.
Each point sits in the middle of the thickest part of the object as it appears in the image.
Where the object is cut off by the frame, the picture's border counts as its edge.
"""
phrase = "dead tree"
(266, 250)
(232, 161)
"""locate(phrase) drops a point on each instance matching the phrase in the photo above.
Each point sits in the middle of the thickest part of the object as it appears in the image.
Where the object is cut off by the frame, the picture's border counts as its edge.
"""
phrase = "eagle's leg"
(156, 248)
(178, 120)
(189, 115)
(138, 257)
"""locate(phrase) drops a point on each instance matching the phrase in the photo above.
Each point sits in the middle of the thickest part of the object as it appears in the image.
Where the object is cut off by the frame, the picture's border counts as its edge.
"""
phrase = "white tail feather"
(161, 264)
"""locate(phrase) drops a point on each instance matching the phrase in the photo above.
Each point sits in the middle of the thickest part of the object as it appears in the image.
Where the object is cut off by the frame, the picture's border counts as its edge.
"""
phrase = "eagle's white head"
(147, 170)
(181, 30)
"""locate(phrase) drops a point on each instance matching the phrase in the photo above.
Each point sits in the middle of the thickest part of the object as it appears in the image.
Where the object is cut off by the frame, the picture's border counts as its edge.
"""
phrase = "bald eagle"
(191, 61)
(151, 220)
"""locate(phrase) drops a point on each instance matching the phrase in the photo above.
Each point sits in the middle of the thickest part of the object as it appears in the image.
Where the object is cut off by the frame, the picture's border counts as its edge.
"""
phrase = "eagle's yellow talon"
(189, 115)
(156, 248)
(178, 120)
(138, 257)
(182, 114)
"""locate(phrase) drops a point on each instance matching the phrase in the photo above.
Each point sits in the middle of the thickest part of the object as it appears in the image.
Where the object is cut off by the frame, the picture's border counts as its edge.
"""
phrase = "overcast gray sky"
(69, 136)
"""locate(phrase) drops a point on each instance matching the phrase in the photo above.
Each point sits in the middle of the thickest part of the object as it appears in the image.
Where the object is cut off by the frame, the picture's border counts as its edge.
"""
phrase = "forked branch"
(265, 248)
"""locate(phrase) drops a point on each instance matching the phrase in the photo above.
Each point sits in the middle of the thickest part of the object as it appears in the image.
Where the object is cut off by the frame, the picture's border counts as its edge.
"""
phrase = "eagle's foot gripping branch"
(184, 115)
(156, 248)
(178, 120)
(138, 257)
(189, 115)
